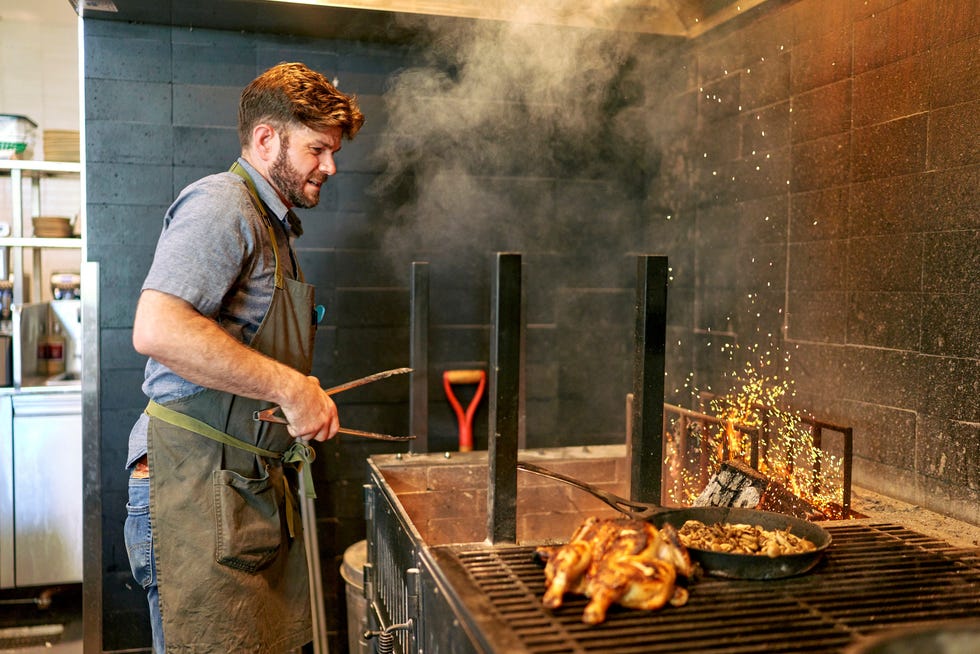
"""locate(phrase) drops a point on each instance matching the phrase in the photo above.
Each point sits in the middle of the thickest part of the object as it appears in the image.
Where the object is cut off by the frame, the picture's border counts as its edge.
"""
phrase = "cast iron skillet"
(719, 564)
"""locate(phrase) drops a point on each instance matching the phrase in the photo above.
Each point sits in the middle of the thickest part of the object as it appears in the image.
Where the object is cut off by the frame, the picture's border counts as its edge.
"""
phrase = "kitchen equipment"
(464, 595)
(67, 319)
(6, 297)
(66, 285)
(269, 415)
(465, 419)
(6, 360)
(719, 564)
(41, 481)
(16, 136)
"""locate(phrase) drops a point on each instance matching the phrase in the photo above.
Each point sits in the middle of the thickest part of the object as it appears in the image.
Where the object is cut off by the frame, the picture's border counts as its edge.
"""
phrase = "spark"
(756, 401)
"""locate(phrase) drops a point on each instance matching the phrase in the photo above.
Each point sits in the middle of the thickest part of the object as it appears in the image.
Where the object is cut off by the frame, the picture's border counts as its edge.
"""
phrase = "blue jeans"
(139, 545)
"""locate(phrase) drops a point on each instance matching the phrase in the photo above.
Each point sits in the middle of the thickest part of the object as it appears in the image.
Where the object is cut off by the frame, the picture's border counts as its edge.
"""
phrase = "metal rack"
(35, 171)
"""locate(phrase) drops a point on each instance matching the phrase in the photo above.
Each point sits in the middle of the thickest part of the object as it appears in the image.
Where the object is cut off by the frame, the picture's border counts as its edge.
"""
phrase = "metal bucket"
(352, 571)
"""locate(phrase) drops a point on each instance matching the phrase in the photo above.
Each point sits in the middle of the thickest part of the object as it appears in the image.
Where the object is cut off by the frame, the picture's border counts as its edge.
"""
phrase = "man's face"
(305, 161)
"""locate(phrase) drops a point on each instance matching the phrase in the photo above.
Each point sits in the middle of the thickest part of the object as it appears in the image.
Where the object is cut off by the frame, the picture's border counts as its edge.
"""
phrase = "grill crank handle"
(386, 636)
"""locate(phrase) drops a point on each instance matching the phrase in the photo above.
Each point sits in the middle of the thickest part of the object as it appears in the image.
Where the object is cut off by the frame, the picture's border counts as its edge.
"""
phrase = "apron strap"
(299, 453)
(260, 206)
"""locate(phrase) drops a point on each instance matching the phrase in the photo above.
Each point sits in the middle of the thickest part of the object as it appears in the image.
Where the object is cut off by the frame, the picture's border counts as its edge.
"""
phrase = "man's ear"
(265, 140)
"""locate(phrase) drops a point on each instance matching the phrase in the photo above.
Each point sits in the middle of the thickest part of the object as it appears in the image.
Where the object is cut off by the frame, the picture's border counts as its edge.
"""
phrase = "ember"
(751, 425)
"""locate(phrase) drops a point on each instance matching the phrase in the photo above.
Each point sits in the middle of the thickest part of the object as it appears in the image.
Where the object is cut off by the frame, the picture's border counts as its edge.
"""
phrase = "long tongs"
(271, 414)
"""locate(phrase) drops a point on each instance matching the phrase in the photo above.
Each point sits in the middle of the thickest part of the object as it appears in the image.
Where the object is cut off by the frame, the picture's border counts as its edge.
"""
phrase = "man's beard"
(289, 181)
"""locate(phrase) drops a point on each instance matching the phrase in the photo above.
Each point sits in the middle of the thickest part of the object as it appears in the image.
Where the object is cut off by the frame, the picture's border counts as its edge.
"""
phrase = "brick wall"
(824, 172)
(446, 498)
(810, 170)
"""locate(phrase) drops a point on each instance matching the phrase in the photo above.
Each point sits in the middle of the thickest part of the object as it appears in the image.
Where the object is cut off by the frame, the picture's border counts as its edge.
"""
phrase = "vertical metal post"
(522, 366)
(17, 231)
(372, 555)
(505, 379)
(418, 392)
(647, 442)
(311, 542)
(848, 433)
(93, 455)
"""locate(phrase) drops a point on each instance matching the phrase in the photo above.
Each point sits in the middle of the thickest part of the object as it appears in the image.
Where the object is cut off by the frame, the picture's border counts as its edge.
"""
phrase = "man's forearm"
(195, 347)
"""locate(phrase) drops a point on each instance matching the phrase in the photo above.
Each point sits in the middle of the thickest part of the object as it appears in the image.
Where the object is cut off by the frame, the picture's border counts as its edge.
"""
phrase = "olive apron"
(231, 562)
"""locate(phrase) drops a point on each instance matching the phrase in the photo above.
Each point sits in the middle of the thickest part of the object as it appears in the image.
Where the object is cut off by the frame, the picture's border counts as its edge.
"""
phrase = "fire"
(753, 411)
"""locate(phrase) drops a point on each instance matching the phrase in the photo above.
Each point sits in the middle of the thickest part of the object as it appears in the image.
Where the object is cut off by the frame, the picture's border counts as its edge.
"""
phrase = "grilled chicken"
(626, 562)
(571, 565)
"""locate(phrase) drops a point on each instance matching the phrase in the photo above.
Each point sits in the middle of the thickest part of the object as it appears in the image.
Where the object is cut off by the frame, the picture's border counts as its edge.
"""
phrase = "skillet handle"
(635, 510)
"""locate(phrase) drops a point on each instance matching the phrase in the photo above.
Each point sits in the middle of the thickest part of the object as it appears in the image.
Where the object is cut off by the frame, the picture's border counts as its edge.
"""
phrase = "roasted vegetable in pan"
(736, 538)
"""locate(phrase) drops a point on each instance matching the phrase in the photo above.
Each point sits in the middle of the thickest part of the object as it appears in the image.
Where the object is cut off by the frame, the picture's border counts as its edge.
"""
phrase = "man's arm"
(173, 332)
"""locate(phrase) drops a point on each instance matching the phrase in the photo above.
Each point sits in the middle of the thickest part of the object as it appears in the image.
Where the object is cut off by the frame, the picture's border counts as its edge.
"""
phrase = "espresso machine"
(66, 319)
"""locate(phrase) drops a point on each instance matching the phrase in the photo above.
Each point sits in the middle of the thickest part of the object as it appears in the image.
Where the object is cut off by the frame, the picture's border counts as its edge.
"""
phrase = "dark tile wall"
(829, 186)
(811, 171)
(161, 105)
(160, 111)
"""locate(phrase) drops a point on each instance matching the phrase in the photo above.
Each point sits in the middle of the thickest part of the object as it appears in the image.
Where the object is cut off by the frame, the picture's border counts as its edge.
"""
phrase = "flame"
(788, 456)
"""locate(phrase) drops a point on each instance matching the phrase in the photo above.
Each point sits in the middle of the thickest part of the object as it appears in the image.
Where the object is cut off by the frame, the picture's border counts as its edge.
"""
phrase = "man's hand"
(311, 413)
(173, 332)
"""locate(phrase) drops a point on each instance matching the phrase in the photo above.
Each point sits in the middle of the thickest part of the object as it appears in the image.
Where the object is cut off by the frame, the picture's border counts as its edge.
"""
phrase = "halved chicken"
(621, 561)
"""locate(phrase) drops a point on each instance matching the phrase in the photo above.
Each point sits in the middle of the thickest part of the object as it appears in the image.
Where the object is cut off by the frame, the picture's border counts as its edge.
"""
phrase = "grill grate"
(874, 577)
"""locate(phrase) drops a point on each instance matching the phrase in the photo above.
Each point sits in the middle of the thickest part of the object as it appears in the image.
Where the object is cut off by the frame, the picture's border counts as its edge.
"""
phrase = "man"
(228, 325)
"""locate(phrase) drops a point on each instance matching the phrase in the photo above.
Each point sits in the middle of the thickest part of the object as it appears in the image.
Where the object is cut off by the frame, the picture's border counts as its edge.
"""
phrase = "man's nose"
(327, 164)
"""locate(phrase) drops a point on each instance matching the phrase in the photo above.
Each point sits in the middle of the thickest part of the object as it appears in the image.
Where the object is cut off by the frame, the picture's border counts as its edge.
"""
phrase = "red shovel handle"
(465, 420)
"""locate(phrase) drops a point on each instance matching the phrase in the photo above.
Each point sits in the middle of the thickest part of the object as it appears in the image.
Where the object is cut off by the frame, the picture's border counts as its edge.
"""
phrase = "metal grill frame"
(878, 576)
(402, 583)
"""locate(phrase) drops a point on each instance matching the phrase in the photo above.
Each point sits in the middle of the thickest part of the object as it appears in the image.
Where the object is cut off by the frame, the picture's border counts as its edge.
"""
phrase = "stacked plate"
(51, 227)
(61, 145)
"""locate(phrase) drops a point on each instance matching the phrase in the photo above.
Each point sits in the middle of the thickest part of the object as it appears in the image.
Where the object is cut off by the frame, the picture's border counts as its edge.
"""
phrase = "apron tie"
(302, 455)
(299, 454)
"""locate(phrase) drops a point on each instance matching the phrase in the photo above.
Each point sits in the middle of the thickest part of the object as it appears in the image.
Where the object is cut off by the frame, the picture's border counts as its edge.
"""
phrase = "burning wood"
(736, 484)
(796, 474)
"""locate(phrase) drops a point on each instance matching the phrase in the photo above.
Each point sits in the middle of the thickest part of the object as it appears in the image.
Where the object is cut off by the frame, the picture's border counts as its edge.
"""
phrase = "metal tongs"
(270, 414)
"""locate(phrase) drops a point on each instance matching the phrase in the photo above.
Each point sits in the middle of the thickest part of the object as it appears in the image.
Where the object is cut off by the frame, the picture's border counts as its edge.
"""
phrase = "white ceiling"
(57, 12)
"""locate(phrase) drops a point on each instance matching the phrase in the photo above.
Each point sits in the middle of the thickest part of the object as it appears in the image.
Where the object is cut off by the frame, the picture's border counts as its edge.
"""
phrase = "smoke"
(496, 112)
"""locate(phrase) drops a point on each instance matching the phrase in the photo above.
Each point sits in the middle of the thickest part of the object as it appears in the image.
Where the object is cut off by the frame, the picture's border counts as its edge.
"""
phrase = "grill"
(477, 597)
(434, 584)
(875, 577)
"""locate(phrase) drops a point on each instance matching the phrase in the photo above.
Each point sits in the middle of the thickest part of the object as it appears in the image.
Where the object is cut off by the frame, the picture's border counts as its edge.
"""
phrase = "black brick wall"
(811, 170)
(828, 184)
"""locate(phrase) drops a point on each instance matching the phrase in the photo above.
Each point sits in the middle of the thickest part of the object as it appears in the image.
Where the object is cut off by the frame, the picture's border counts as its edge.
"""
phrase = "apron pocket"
(248, 532)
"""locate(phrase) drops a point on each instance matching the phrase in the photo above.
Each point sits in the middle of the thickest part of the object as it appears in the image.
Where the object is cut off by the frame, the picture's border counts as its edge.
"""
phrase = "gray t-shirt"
(214, 252)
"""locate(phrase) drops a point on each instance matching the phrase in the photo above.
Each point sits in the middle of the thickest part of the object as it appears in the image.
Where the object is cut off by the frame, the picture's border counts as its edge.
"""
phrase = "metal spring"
(386, 637)
(386, 643)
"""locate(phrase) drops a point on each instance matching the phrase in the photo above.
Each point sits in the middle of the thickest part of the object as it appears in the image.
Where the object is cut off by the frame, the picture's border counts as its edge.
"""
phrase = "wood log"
(736, 484)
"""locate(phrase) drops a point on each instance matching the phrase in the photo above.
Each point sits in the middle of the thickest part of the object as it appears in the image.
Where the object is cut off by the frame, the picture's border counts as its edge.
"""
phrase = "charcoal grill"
(878, 576)
(479, 597)
(451, 565)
